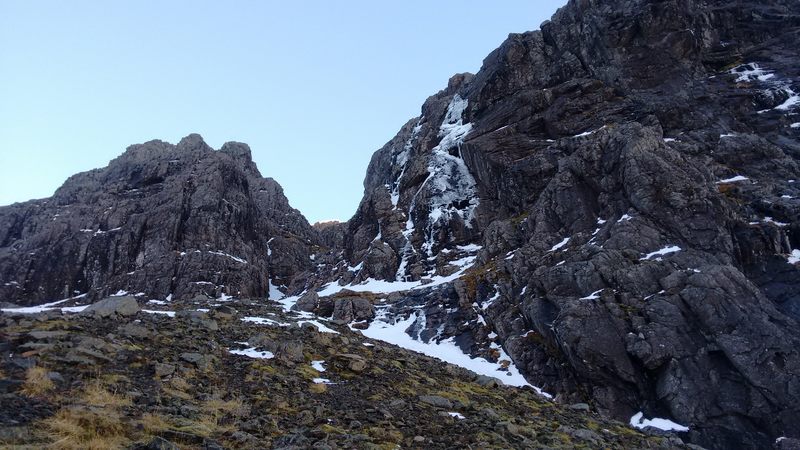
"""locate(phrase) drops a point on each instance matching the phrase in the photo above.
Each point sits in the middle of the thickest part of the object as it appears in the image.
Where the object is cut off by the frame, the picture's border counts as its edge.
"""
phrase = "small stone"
(55, 376)
(191, 357)
(354, 362)
(437, 401)
(163, 370)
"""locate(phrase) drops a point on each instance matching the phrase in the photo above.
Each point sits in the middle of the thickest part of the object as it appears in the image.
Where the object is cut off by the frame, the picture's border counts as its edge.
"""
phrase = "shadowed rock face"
(624, 180)
(160, 219)
(595, 162)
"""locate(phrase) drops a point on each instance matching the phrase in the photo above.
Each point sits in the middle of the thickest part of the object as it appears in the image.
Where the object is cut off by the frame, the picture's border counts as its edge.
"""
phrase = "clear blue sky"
(315, 87)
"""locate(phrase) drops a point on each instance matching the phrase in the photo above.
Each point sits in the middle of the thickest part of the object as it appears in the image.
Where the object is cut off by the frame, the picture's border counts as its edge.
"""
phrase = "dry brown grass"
(218, 407)
(96, 394)
(93, 422)
(317, 388)
(180, 384)
(79, 428)
(154, 424)
(37, 382)
(218, 416)
(179, 388)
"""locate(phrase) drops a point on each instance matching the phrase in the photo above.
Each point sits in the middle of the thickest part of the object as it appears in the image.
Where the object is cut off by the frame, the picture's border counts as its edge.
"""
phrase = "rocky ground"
(247, 374)
(610, 207)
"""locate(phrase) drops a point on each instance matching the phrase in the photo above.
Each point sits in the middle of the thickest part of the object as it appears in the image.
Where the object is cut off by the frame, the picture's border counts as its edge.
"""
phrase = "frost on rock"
(401, 160)
(752, 72)
(450, 187)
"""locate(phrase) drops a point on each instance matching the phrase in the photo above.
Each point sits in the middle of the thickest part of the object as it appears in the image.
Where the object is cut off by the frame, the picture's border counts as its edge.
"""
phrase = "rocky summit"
(595, 236)
(181, 220)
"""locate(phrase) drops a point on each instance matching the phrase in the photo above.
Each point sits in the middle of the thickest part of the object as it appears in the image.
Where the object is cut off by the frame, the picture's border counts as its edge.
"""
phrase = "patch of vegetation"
(79, 428)
(37, 382)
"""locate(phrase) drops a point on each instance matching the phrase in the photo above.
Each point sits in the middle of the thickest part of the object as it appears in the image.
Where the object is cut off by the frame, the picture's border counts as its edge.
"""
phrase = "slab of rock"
(123, 306)
(437, 401)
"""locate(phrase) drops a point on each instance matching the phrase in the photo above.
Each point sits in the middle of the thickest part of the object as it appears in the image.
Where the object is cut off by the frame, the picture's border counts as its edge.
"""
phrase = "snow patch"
(251, 352)
(165, 313)
(751, 72)
(386, 287)
(274, 292)
(559, 245)
(735, 179)
(322, 328)
(794, 257)
(593, 296)
(235, 258)
(775, 222)
(446, 350)
(664, 251)
(638, 421)
(587, 133)
(48, 307)
(264, 321)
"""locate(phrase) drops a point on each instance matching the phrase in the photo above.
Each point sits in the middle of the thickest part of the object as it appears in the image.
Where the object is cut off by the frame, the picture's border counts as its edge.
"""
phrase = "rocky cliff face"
(628, 175)
(180, 220)
(608, 210)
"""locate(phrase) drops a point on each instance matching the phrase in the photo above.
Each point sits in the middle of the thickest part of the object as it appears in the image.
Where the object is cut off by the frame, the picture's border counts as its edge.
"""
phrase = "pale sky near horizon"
(313, 87)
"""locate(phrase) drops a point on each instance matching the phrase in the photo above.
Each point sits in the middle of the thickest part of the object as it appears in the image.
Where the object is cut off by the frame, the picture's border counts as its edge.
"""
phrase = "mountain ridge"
(607, 206)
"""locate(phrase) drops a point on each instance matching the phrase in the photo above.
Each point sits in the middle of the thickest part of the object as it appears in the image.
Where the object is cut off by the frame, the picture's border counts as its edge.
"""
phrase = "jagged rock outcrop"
(611, 202)
(629, 174)
(161, 219)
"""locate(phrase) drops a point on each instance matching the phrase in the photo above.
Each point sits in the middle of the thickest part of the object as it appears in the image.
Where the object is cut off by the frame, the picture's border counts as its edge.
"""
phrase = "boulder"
(348, 309)
(124, 306)
(307, 302)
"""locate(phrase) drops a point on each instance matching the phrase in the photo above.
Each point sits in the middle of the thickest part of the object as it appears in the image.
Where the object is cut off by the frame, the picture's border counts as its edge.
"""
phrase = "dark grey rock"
(307, 302)
(348, 309)
(113, 306)
(163, 370)
(437, 401)
(161, 219)
(198, 318)
(291, 351)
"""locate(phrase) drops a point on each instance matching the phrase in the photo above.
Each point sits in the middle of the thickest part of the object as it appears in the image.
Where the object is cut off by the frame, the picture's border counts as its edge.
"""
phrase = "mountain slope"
(607, 210)
(160, 220)
(628, 173)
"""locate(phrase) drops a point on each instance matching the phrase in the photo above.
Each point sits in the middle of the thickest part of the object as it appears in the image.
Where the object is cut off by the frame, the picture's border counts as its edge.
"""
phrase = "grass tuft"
(37, 382)
(78, 428)
(96, 394)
